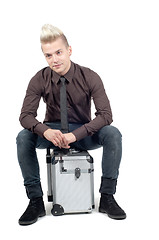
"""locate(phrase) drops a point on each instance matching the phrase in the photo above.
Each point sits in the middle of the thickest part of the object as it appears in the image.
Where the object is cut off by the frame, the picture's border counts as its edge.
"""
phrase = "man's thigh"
(97, 140)
(87, 143)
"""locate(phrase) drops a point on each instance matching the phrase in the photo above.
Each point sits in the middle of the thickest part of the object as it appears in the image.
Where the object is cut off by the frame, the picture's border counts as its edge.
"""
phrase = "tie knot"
(63, 80)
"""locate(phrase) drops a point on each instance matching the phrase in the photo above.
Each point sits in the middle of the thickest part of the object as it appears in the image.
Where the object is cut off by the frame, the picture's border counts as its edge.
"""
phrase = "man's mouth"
(57, 65)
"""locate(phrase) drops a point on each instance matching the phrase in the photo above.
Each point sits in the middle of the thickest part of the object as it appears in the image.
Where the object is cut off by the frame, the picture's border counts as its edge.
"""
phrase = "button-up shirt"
(83, 85)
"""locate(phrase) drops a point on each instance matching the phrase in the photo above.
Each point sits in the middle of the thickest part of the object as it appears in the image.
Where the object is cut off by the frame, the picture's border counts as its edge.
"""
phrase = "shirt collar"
(68, 75)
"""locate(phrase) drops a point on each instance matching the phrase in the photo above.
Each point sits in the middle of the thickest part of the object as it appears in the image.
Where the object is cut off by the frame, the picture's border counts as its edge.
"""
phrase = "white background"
(120, 41)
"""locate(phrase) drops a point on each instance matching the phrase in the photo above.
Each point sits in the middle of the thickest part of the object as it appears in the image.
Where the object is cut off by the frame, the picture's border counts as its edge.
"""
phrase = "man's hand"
(58, 138)
(70, 138)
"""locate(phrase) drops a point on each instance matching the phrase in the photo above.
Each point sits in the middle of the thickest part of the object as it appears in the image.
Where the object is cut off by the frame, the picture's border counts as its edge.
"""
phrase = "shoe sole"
(22, 223)
(112, 216)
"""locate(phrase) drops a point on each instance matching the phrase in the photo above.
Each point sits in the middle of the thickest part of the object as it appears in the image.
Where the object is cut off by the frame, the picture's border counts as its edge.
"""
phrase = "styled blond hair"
(50, 33)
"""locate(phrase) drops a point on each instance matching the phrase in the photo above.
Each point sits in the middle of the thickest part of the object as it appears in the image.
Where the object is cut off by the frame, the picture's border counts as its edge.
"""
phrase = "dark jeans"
(107, 137)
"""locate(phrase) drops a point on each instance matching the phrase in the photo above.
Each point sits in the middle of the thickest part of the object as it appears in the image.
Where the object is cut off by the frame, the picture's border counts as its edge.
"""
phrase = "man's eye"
(59, 52)
(48, 56)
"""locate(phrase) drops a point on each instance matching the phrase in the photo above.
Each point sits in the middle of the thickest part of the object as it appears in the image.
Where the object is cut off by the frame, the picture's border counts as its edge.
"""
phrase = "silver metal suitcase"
(70, 181)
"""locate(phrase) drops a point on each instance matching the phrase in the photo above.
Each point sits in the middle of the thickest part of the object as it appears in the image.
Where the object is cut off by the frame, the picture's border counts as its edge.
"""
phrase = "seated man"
(83, 85)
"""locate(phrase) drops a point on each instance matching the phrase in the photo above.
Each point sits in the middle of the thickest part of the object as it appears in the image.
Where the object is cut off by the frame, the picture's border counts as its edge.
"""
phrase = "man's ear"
(70, 50)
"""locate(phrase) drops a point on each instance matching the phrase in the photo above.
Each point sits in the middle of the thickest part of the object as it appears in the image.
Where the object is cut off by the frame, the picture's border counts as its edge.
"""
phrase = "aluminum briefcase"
(70, 181)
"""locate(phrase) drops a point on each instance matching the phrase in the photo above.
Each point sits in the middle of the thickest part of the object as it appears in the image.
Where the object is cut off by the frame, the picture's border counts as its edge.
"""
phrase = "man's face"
(57, 56)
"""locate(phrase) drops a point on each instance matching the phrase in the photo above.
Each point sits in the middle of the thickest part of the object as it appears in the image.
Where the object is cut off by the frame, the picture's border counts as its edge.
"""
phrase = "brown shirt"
(83, 85)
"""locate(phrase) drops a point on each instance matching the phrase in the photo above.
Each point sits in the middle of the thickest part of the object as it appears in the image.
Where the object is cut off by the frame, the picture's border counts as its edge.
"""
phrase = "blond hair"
(50, 33)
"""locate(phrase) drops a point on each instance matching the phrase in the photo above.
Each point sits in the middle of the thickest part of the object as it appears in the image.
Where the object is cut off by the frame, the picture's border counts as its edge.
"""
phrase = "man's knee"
(24, 137)
(114, 132)
(110, 133)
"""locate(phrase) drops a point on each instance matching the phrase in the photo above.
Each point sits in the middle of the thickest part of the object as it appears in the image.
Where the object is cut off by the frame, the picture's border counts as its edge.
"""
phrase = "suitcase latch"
(77, 172)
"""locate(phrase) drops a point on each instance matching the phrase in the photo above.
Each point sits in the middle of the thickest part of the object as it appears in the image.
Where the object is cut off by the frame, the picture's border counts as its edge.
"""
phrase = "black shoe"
(34, 210)
(109, 206)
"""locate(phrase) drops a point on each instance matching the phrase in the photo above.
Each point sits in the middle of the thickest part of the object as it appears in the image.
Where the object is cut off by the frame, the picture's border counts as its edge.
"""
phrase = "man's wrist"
(40, 129)
(73, 137)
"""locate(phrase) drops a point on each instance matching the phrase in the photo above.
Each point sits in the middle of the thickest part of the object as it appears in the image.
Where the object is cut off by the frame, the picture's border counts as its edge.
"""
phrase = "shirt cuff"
(40, 128)
(80, 133)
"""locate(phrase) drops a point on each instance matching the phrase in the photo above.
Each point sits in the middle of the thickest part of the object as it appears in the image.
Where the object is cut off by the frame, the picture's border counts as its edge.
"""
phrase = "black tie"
(63, 106)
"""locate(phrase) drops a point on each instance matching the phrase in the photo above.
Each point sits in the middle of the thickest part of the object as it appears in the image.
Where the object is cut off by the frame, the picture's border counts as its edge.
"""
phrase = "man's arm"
(30, 105)
(103, 110)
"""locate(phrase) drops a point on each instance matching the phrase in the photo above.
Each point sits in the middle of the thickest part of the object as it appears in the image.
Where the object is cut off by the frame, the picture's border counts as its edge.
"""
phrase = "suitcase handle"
(77, 172)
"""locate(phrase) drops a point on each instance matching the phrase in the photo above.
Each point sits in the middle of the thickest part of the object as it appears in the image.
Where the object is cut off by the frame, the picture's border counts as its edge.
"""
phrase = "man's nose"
(54, 58)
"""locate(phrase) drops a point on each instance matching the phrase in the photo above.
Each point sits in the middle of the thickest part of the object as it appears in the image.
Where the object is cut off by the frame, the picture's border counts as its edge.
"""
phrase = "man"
(82, 85)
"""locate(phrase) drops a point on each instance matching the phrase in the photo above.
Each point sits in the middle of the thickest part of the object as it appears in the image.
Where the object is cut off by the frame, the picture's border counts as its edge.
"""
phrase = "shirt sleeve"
(103, 114)
(30, 105)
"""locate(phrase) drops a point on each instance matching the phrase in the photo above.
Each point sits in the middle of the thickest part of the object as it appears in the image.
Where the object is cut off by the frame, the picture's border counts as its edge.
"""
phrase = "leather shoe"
(109, 206)
(34, 210)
